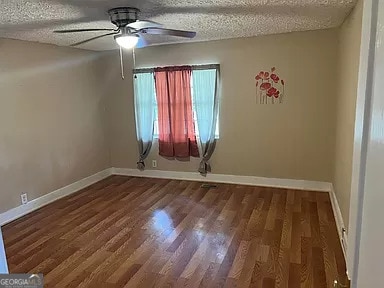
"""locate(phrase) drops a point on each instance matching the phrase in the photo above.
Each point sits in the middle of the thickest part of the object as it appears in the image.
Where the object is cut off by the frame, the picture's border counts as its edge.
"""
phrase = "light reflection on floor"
(161, 221)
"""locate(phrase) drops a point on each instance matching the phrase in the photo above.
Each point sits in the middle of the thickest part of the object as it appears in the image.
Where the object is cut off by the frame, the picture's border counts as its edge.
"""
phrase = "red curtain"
(177, 136)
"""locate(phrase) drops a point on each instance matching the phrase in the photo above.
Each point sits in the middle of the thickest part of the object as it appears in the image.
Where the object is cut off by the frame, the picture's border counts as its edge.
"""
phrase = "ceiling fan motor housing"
(123, 16)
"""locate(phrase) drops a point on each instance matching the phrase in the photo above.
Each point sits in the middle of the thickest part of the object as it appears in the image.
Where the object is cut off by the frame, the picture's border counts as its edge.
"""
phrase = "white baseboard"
(230, 179)
(37, 203)
(339, 222)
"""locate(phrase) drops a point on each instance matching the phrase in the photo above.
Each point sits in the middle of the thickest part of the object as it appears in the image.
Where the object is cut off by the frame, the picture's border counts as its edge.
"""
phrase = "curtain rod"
(193, 67)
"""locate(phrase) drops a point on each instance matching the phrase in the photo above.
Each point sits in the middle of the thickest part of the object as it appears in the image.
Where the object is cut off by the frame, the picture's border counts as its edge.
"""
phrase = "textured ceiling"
(34, 20)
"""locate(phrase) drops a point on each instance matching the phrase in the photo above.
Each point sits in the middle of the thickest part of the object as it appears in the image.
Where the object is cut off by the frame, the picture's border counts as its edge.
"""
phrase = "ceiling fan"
(129, 29)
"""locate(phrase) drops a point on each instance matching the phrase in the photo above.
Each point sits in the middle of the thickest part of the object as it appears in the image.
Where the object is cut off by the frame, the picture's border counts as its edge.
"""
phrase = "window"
(194, 103)
(156, 123)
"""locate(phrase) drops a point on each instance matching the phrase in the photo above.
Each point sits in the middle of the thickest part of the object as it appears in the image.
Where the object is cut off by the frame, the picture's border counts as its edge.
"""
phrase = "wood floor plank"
(144, 232)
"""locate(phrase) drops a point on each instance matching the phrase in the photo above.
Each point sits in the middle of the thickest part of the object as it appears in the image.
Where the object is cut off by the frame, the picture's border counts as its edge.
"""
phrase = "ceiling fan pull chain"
(121, 63)
(134, 57)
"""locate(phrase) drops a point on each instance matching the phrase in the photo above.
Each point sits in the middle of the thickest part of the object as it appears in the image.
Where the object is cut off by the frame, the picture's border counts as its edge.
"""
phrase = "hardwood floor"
(139, 232)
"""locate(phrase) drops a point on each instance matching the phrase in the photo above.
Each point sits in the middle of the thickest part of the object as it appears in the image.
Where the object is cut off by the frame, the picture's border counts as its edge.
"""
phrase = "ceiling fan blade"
(170, 32)
(141, 24)
(93, 38)
(142, 42)
(82, 30)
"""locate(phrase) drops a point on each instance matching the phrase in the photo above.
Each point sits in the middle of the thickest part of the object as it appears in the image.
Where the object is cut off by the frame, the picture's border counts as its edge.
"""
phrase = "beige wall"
(294, 140)
(348, 67)
(52, 119)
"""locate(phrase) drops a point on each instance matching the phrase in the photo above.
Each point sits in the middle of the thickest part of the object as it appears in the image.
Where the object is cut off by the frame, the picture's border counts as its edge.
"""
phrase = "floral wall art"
(269, 87)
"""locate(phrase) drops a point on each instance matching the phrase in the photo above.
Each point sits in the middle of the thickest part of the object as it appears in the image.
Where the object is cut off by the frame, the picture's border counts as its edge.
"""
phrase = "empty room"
(161, 143)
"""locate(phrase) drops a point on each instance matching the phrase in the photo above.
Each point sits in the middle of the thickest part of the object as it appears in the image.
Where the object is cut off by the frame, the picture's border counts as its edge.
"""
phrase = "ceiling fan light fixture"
(127, 41)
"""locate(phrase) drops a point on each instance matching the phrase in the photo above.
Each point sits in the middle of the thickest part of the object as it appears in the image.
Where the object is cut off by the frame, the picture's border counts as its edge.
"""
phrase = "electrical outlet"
(24, 198)
(154, 163)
